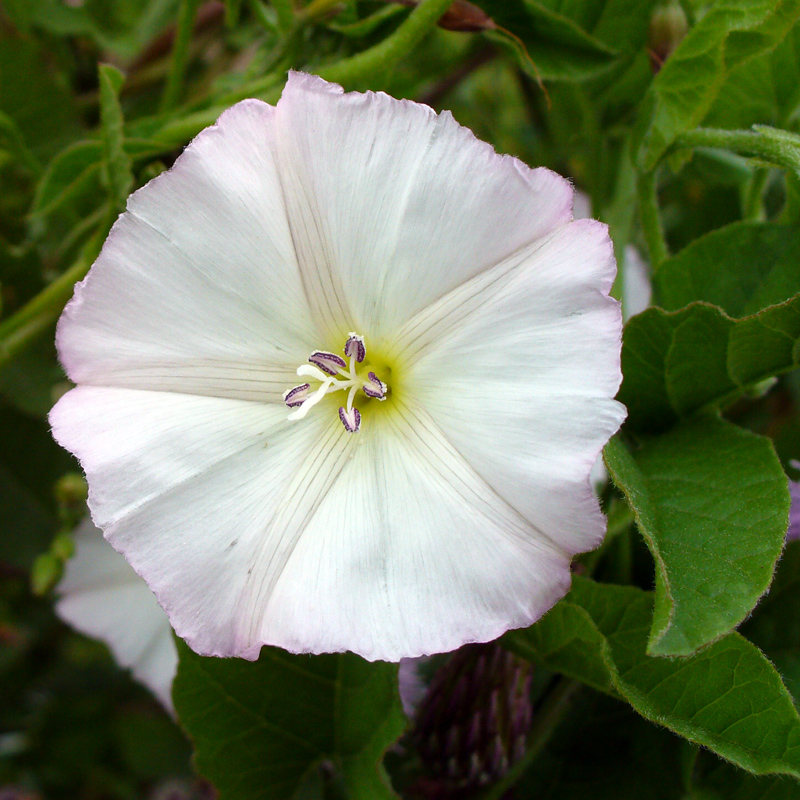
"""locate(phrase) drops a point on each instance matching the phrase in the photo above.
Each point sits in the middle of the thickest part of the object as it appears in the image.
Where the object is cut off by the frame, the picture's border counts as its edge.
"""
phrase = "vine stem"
(382, 56)
(545, 722)
(651, 219)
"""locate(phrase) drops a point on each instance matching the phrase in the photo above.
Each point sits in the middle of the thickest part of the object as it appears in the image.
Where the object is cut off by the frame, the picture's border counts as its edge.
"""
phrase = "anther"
(355, 348)
(328, 362)
(351, 419)
(375, 388)
(297, 396)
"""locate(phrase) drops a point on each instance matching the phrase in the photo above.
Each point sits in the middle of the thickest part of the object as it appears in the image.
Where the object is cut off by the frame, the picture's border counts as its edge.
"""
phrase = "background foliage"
(660, 675)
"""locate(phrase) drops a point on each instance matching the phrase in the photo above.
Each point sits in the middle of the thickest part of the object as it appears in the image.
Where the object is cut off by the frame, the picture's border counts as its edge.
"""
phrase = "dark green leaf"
(711, 501)
(743, 268)
(675, 363)
(713, 779)
(775, 625)
(731, 32)
(570, 41)
(260, 728)
(727, 697)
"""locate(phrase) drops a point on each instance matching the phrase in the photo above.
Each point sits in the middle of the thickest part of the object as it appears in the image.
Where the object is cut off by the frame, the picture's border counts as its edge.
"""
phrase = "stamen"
(335, 374)
(376, 387)
(355, 347)
(328, 362)
(296, 397)
(351, 419)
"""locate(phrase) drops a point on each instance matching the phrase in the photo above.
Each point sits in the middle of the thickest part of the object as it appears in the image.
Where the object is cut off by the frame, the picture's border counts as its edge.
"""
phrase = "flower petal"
(101, 596)
(206, 497)
(392, 206)
(254, 531)
(197, 287)
(519, 367)
(410, 552)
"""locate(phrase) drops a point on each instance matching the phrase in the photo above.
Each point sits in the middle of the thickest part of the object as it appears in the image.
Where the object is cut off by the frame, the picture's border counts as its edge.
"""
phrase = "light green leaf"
(261, 728)
(727, 697)
(117, 168)
(730, 33)
(764, 90)
(743, 268)
(711, 502)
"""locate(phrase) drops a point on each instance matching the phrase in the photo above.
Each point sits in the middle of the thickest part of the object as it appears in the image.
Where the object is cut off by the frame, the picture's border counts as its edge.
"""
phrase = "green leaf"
(261, 728)
(764, 90)
(713, 779)
(680, 96)
(117, 168)
(727, 697)
(775, 625)
(676, 363)
(568, 40)
(743, 268)
(710, 500)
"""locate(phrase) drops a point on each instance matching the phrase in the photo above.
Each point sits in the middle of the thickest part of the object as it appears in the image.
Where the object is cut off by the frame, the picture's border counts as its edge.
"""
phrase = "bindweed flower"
(342, 374)
(102, 597)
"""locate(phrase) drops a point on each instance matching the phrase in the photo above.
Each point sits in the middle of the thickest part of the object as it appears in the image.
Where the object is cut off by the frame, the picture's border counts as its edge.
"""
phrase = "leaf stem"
(381, 57)
(22, 328)
(777, 147)
(545, 722)
(180, 53)
(752, 202)
(651, 219)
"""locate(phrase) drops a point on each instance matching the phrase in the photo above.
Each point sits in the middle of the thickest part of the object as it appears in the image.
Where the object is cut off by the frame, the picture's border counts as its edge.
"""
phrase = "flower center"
(335, 374)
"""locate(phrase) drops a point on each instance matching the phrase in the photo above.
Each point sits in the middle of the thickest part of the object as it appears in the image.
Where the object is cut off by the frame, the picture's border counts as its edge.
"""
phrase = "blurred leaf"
(727, 697)
(675, 363)
(34, 95)
(775, 625)
(117, 169)
(121, 26)
(603, 750)
(743, 268)
(72, 175)
(710, 499)
(260, 727)
(730, 33)
(569, 40)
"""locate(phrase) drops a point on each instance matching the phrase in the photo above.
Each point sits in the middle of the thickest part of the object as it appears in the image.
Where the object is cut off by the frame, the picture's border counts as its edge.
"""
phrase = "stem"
(381, 57)
(773, 145)
(545, 723)
(20, 329)
(180, 53)
(651, 220)
(752, 205)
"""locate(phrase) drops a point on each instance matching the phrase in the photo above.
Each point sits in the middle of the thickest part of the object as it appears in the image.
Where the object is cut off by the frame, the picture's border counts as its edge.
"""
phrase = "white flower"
(101, 596)
(326, 224)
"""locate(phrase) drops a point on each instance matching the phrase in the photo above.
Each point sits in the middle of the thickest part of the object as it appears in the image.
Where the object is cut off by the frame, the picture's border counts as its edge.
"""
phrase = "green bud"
(46, 573)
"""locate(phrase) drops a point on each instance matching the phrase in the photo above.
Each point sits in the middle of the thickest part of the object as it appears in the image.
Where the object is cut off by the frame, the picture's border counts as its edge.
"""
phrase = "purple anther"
(350, 419)
(297, 396)
(355, 348)
(376, 387)
(327, 362)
